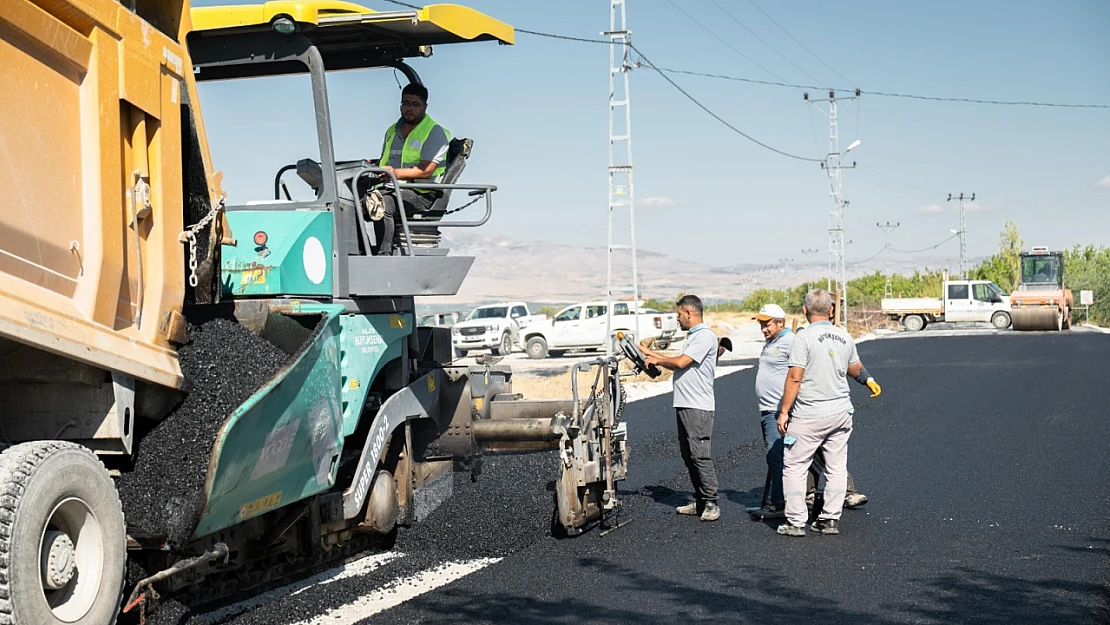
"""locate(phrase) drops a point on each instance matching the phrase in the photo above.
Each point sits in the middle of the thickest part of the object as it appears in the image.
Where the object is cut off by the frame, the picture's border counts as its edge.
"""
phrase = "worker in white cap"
(769, 384)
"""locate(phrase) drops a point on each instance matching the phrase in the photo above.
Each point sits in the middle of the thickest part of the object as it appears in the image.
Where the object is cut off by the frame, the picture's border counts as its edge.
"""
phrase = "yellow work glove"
(876, 390)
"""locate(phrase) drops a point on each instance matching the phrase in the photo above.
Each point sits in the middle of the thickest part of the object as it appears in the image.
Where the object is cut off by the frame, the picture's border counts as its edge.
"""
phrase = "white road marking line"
(351, 569)
(398, 592)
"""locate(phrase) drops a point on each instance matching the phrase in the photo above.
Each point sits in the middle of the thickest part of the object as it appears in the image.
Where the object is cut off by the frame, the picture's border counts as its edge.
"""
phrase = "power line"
(752, 33)
(872, 257)
(744, 79)
(925, 249)
(841, 76)
(780, 83)
(887, 94)
(719, 38)
(995, 102)
(717, 117)
(566, 38)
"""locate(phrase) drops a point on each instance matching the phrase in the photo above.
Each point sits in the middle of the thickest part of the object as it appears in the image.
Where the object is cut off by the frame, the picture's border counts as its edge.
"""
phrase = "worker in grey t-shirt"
(770, 378)
(816, 414)
(694, 403)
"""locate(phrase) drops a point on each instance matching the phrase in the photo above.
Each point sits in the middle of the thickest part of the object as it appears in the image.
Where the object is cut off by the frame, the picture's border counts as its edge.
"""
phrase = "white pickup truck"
(582, 326)
(496, 327)
(965, 300)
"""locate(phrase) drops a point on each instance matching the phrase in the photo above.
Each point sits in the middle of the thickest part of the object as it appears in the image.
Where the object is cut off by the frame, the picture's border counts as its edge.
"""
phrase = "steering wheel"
(633, 353)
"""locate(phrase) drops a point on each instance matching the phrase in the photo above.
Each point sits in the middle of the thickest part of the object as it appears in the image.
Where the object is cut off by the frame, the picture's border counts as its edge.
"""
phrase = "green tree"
(1088, 268)
(1003, 268)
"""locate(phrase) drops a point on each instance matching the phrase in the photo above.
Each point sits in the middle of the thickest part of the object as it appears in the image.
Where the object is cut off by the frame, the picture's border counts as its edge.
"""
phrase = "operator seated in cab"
(415, 148)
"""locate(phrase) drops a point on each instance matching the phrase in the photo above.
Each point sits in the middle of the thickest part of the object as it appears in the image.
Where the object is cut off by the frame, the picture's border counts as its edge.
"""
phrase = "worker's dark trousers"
(414, 202)
(695, 432)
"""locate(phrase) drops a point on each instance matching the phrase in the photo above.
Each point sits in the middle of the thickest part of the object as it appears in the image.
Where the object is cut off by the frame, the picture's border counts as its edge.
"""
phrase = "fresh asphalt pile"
(223, 364)
(501, 511)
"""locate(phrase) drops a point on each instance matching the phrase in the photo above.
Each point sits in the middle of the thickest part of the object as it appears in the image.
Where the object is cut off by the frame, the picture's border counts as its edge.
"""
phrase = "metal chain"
(189, 237)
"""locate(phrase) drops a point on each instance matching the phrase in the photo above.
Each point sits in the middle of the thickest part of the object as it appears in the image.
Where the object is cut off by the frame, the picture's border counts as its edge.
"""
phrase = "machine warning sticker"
(254, 276)
(431, 384)
(275, 453)
(258, 506)
(397, 321)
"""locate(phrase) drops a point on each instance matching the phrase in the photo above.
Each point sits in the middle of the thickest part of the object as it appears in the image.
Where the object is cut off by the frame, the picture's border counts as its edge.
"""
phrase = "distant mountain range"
(551, 273)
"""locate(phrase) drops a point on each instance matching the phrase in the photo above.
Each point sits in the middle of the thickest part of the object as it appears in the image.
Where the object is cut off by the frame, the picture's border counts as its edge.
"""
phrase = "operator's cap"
(769, 312)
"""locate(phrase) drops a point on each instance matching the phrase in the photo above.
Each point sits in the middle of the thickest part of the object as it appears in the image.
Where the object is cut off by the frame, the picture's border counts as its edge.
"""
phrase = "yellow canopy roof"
(329, 20)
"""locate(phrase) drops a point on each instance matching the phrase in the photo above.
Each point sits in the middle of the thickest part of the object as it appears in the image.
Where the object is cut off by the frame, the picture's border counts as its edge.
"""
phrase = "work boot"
(690, 509)
(828, 527)
(787, 529)
(712, 512)
(854, 500)
(769, 511)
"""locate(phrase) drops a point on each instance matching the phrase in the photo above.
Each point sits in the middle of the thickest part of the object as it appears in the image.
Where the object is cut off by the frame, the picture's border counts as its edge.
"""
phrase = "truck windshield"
(1040, 270)
(493, 312)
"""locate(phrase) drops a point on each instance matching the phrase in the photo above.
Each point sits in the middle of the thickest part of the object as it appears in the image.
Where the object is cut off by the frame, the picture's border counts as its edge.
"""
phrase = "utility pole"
(962, 232)
(888, 288)
(620, 165)
(832, 167)
(785, 264)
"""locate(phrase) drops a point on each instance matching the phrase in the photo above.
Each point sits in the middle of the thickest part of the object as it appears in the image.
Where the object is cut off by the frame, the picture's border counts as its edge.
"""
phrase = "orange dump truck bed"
(91, 266)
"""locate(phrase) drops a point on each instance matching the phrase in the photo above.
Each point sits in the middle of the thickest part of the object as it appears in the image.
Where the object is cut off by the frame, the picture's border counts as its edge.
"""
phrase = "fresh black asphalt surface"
(986, 460)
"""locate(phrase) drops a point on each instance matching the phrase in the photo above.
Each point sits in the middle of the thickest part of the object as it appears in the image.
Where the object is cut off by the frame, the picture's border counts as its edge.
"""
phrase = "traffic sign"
(1086, 298)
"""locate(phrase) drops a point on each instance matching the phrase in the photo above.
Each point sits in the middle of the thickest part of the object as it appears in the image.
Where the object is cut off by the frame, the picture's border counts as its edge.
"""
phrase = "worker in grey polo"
(695, 404)
(816, 414)
(769, 381)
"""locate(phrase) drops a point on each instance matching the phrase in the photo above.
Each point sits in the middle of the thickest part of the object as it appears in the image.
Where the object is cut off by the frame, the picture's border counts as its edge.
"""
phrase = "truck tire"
(1000, 320)
(505, 347)
(913, 323)
(536, 348)
(59, 507)
(460, 353)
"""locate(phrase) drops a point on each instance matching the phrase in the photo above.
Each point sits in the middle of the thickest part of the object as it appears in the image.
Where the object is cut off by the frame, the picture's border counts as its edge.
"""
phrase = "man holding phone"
(816, 414)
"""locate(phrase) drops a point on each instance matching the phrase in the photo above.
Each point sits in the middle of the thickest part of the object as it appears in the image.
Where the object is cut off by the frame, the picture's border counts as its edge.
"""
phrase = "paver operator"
(415, 148)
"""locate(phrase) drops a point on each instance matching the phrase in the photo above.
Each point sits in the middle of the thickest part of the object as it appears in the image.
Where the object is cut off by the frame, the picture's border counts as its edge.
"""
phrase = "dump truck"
(213, 394)
(1042, 300)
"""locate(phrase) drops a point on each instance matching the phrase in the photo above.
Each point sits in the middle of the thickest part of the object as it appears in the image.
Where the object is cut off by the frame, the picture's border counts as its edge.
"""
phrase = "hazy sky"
(537, 112)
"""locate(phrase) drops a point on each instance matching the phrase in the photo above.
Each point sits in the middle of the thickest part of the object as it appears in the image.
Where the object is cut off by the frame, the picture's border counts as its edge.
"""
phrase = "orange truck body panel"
(90, 146)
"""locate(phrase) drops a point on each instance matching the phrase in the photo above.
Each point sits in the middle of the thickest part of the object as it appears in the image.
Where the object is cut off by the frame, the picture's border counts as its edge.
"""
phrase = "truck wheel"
(460, 353)
(536, 348)
(506, 346)
(913, 323)
(65, 544)
(1000, 320)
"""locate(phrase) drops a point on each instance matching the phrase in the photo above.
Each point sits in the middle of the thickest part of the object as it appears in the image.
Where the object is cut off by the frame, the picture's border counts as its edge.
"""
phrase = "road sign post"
(1087, 299)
